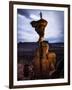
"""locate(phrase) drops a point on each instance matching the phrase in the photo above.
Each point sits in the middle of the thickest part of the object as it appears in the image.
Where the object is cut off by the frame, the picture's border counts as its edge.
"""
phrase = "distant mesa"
(31, 46)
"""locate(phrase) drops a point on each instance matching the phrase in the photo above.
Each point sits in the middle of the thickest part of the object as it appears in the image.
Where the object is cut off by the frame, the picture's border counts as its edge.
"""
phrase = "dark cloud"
(23, 12)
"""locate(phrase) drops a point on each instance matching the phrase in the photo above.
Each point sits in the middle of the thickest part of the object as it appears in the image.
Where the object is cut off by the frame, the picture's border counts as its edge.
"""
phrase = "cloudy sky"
(54, 31)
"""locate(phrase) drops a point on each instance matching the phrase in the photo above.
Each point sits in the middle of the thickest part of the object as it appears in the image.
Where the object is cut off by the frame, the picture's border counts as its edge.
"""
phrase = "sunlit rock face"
(48, 61)
(40, 27)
